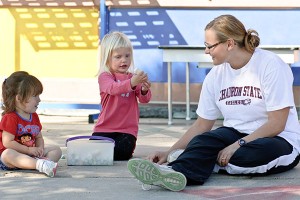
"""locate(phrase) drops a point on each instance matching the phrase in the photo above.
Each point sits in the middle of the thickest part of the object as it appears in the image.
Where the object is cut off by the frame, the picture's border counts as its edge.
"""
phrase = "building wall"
(49, 42)
(69, 72)
(7, 42)
(57, 45)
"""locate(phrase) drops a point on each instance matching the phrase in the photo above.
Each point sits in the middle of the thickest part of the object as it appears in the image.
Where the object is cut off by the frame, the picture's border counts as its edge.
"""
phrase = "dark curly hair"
(19, 83)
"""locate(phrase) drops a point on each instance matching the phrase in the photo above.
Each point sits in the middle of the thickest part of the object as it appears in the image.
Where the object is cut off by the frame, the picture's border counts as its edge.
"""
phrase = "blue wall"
(149, 28)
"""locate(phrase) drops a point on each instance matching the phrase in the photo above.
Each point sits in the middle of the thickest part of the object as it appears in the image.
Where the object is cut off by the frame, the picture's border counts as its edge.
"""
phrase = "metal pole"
(103, 18)
(170, 92)
(187, 85)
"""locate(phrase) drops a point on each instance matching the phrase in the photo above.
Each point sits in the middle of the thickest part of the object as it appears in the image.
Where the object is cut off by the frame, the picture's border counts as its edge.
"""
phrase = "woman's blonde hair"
(19, 83)
(111, 42)
(228, 26)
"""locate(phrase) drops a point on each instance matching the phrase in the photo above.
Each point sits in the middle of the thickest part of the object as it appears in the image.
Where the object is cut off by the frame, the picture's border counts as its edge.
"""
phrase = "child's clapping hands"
(141, 77)
(145, 87)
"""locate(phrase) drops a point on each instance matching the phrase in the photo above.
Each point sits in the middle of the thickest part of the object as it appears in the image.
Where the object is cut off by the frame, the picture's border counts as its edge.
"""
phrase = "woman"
(252, 89)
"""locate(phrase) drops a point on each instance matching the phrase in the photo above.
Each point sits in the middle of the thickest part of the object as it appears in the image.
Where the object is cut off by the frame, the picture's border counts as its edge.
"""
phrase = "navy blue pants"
(198, 160)
(124, 144)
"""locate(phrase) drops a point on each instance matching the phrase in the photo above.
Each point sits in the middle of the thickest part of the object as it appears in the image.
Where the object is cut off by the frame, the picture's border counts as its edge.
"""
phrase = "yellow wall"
(7, 40)
(21, 46)
(58, 63)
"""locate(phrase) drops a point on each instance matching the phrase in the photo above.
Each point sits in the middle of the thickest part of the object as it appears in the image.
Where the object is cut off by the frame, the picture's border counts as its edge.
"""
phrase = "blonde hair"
(19, 83)
(109, 43)
(228, 26)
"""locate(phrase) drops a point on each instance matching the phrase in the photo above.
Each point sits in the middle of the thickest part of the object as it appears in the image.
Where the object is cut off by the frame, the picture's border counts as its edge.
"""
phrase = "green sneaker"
(154, 174)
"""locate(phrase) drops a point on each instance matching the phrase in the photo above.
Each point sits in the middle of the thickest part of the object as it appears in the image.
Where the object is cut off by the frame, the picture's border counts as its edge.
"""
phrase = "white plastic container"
(83, 151)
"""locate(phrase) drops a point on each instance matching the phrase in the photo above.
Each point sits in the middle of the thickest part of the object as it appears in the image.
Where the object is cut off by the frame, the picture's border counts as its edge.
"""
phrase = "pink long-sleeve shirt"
(120, 111)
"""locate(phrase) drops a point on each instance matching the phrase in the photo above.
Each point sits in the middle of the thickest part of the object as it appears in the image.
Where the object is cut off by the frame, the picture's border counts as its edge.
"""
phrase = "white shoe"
(173, 155)
(46, 166)
(153, 174)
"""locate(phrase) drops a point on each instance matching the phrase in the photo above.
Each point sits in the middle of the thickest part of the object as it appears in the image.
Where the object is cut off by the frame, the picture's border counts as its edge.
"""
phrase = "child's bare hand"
(41, 151)
(32, 151)
(146, 86)
(139, 77)
(36, 151)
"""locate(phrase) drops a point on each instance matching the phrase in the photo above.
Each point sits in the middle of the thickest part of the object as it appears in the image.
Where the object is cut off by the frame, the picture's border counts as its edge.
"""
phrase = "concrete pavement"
(115, 182)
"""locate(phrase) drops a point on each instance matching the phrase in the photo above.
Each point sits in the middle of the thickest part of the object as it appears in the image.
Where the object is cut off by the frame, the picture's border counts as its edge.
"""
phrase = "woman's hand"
(158, 157)
(225, 154)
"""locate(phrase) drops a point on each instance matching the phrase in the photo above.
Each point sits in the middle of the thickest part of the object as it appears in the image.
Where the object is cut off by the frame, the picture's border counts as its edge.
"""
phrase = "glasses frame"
(212, 46)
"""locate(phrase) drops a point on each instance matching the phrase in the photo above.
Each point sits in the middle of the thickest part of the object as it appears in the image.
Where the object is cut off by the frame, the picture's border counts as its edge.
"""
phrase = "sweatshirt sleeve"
(109, 85)
(143, 98)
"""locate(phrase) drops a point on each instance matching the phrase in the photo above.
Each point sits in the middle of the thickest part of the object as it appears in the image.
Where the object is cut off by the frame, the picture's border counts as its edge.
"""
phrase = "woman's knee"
(258, 152)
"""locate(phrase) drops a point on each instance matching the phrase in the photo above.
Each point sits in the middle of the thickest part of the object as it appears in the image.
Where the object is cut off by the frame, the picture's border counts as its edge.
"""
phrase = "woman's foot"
(154, 174)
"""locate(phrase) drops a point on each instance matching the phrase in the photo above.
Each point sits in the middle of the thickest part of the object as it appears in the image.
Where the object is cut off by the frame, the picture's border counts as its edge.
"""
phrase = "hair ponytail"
(251, 40)
(228, 26)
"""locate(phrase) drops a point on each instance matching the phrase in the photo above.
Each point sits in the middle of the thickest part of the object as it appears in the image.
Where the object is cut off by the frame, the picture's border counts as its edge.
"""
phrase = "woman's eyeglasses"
(211, 46)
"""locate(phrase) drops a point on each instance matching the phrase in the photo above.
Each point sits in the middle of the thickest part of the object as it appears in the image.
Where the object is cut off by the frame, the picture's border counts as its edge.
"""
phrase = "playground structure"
(57, 40)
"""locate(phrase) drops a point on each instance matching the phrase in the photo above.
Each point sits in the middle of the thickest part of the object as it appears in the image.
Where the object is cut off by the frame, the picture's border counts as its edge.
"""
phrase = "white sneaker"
(46, 166)
(154, 174)
(173, 155)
